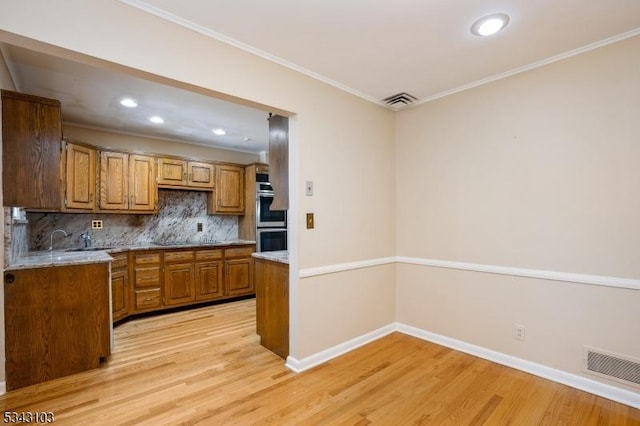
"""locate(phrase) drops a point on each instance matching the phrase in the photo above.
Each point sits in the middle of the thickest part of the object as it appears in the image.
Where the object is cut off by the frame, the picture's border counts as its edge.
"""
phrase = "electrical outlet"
(199, 227)
(519, 332)
(309, 188)
(96, 224)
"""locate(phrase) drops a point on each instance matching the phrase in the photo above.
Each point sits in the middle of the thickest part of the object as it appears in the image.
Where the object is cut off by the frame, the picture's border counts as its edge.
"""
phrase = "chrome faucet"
(86, 238)
(66, 234)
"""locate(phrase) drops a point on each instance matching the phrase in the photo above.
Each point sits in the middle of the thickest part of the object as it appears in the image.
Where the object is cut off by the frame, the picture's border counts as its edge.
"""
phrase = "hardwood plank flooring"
(206, 366)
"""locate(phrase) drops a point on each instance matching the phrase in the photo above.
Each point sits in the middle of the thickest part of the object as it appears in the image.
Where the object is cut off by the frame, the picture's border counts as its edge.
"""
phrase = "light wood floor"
(206, 366)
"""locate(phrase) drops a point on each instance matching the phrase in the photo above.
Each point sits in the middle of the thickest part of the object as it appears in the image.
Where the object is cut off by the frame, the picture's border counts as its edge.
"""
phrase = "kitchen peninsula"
(64, 297)
(272, 300)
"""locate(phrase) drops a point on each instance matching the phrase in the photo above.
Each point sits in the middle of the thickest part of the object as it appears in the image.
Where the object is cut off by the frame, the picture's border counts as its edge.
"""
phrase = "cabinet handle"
(189, 177)
(147, 299)
(133, 200)
(91, 198)
(9, 278)
(184, 176)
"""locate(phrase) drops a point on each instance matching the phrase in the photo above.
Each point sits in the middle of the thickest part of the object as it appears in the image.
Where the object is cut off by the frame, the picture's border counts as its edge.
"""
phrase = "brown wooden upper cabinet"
(31, 137)
(279, 161)
(181, 173)
(80, 177)
(127, 182)
(228, 197)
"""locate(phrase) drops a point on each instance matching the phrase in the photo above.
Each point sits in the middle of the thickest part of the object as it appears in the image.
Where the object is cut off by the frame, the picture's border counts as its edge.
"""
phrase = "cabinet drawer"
(209, 254)
(119, 261)
(147, 277)
(146, 258)
(178, 256)
(239, 252)
(146, 299)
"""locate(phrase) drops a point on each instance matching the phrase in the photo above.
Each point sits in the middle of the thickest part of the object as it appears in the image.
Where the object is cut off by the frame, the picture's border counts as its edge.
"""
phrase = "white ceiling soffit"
(422, 48)
(91, 97)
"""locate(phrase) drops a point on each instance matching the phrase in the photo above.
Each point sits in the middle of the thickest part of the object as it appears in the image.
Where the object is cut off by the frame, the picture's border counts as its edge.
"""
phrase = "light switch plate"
(310, 223)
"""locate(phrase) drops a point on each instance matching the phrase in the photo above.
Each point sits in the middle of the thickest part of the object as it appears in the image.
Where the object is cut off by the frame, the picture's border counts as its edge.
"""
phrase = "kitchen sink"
(89, 249)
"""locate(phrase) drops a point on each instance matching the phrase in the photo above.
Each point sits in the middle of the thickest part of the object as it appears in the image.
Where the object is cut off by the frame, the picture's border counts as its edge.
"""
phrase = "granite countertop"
(281, 256)
(43, 259)
(63, 257)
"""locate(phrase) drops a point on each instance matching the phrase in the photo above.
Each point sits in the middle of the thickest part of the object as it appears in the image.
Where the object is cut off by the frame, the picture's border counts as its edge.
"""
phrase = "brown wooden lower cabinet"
(146, 277)
(56, 322)
(272, 305)
(177, 277)
(238, 276)
(209, 280)
(119, 286)
(179, 283)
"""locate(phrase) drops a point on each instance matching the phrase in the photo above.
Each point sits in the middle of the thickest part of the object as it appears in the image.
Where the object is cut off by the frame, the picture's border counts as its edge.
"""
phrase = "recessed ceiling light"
(490, 24)
(128, 102)
(219, 132)
(156, 119)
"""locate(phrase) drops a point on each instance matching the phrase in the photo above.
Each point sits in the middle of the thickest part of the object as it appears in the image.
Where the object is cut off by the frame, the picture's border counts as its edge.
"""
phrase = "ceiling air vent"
(400, 99)
(616, 367)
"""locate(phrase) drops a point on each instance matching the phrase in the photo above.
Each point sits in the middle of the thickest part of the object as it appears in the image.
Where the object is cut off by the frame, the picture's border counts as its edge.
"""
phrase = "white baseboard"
(613, 393)
(301, 365)
(3, 388)
(588, 385)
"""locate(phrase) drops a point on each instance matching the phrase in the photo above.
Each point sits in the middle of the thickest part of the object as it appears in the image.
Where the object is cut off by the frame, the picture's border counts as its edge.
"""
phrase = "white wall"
(343, 143)
(540, 171)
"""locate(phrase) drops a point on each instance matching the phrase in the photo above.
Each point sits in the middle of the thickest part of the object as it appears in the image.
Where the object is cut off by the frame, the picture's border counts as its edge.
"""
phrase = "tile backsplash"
(177, 221)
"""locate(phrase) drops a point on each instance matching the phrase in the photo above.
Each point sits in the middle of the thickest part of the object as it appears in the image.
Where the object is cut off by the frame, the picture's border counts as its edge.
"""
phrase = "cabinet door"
(200, 175)
(56, 322)
(229, 190)
(209, 284)
(114, 181)
(272, 305)
(279, 161)
(172, 172)
(31, 136)
(178, 283)
(142, 183)
(238, 277)
(80, 177)
(119, 294)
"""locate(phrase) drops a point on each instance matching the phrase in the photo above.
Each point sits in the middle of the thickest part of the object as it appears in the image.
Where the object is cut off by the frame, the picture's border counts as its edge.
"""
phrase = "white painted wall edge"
(582, 383)
(3, 388)
(627, 283)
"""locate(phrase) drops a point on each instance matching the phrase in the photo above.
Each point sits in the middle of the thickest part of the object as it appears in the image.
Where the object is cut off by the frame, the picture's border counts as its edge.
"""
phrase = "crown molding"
(141, 5)
(529, 67)
(245, 47)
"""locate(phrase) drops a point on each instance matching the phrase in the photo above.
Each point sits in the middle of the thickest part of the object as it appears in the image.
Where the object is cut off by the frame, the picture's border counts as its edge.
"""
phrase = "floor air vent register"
(612, 366)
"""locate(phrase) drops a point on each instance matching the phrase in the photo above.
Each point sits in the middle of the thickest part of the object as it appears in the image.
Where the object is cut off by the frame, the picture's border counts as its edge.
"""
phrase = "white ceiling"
(91, 97)
(378, 48)
(371, 48)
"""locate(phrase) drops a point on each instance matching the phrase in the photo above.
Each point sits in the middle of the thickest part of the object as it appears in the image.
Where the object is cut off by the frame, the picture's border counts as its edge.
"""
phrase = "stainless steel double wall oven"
(271, 225)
